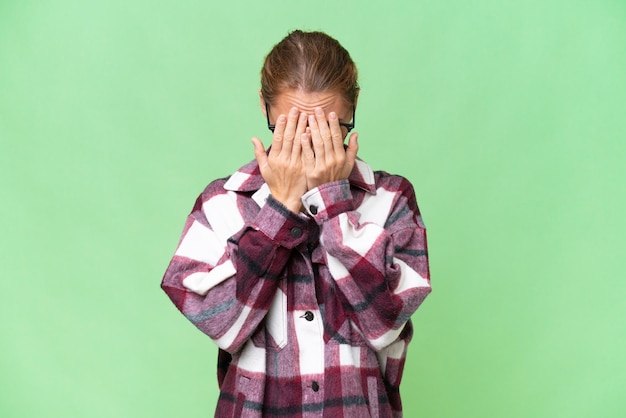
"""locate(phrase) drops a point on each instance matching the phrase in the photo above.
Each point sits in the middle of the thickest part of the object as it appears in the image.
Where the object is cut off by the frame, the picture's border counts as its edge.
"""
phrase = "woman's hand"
(323, 154)
(283, 169)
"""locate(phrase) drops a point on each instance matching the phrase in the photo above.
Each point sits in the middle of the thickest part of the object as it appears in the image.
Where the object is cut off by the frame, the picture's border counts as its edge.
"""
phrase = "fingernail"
(311, 119)
(293, 111)
(282, 118)
(302, 117)
(332, 115)
(319, 111)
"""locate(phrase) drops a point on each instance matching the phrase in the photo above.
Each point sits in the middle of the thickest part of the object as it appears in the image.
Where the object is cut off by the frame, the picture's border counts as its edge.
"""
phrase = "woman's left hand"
(324, 157)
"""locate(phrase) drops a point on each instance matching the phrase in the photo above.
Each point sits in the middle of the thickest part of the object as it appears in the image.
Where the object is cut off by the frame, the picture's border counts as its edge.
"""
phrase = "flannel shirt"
(311, 311)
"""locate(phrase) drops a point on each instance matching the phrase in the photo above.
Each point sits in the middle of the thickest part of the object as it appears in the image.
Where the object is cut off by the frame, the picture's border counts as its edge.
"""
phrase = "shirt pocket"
(348, 333)
(273, 335)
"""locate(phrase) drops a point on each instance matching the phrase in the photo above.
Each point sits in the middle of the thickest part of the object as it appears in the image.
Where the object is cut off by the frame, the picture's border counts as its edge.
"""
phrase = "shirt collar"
(248, 178)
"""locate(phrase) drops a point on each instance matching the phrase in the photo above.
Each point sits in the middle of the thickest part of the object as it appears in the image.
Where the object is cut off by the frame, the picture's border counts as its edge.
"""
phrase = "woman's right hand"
(282, 167)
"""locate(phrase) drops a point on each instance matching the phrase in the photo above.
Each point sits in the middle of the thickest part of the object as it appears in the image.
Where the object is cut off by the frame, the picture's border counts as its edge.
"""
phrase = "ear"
(356, 96)
(262, 103)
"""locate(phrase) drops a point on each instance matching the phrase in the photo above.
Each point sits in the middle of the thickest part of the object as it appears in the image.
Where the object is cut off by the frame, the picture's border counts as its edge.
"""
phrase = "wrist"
(290, 203)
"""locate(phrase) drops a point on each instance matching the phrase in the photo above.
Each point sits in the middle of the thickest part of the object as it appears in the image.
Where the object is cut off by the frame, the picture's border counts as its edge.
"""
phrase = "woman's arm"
(376, 253)
(225, 272)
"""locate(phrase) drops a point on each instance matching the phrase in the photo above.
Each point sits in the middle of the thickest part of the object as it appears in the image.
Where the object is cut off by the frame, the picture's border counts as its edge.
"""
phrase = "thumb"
(259, 152)
(353, 147)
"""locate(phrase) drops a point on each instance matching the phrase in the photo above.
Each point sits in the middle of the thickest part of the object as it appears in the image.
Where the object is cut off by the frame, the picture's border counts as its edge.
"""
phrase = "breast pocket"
(273, 336)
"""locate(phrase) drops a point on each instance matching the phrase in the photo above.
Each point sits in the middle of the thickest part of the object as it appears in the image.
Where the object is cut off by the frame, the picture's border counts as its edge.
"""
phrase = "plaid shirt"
(310, 310)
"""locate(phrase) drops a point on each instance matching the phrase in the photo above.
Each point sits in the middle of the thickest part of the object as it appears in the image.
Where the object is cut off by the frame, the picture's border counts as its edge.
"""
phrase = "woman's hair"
(309, 61)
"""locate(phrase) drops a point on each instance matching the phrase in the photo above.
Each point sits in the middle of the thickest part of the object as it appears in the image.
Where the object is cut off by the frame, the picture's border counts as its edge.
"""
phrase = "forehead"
(308, 101)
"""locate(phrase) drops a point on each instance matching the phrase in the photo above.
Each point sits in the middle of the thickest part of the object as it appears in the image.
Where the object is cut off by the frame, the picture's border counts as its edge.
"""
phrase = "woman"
(305, 266)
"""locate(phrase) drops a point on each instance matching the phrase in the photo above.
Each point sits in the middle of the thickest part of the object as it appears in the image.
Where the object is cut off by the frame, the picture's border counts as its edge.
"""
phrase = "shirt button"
(315, 386)
(313, 209)
(308, 315)
(296, 232)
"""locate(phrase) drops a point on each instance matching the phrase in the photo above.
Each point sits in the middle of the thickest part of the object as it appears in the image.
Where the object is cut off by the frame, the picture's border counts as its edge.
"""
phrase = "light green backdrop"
(508, 117)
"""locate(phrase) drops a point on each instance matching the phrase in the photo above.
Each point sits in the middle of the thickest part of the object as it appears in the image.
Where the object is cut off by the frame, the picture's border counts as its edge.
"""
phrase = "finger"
(316, 138)
(335, 132)
(322, 124)
(353, 148)
(297, 142)
(259, 152)
(290, 129)
(308, 155)
(279, 130)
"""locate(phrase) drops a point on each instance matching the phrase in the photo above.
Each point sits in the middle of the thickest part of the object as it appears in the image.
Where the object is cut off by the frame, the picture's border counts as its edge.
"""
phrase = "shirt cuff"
(328, 200)
(286, 228)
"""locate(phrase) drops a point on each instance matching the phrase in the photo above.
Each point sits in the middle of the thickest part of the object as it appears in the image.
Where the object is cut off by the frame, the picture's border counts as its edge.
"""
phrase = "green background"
(508, 117)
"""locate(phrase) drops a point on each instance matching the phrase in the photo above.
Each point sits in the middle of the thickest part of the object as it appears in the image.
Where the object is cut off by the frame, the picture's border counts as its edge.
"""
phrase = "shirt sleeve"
(376, 254)
(225, 271)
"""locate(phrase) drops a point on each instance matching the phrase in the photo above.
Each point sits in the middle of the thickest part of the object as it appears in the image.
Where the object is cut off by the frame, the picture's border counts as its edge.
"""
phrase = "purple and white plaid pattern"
(311, 311)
